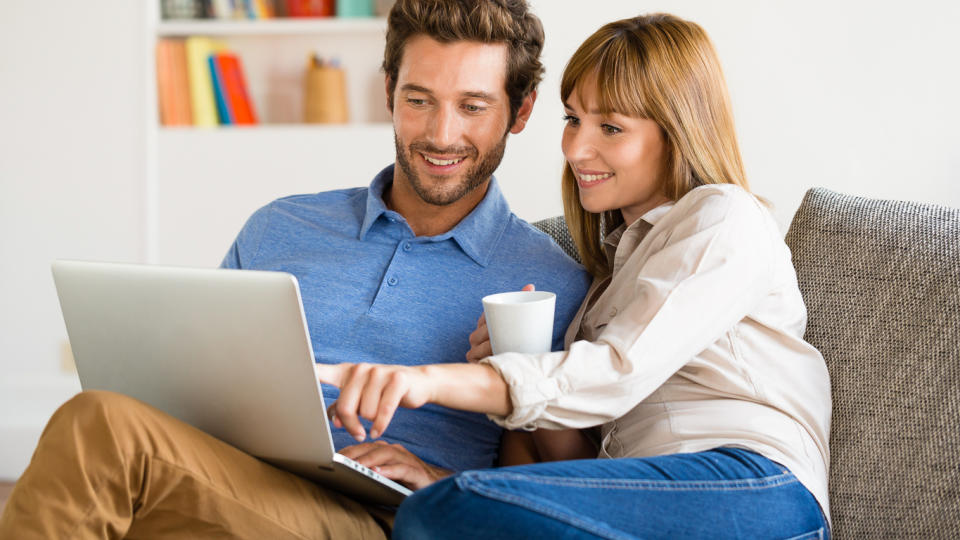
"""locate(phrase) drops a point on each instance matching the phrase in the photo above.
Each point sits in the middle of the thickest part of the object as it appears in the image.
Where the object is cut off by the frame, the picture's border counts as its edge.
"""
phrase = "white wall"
(853, 95)
(71, 175)
(856, 96)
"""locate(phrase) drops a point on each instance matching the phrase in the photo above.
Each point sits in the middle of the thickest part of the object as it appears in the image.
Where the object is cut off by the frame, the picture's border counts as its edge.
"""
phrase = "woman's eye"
(610, 130)
(571, 120)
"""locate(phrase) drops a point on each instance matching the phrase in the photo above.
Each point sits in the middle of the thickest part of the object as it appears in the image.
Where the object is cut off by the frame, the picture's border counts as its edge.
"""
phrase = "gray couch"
(881, 280)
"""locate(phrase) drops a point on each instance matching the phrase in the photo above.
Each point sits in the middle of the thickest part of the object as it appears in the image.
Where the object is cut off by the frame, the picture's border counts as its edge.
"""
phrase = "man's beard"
(444, 194)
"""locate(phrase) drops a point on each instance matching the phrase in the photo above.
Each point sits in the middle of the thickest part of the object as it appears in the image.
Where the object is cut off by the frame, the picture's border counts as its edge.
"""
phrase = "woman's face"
(617, 160)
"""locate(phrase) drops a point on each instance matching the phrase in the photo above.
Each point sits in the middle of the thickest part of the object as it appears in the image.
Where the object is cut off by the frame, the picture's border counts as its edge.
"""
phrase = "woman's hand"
(396, 463)
(373, 391)
(480, 347)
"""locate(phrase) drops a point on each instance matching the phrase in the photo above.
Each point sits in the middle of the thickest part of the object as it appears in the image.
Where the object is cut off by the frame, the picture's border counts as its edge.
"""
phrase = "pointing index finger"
(330, 374)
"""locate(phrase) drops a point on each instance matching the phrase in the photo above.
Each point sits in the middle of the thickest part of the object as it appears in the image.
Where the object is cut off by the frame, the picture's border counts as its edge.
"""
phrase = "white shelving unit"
(268, 27)
(202, 183)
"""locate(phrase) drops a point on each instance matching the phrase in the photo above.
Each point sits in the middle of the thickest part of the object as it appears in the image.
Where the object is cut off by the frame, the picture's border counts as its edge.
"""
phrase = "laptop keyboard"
(364, 469)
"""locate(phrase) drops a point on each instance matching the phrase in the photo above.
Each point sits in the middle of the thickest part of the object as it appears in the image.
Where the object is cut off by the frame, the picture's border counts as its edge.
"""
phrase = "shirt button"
(393, 281)
(613, 312)
(407, 246)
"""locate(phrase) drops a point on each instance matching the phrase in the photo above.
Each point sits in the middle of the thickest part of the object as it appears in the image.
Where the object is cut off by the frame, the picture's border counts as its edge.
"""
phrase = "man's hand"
(480, 347)
(373, 391)
(396, 463)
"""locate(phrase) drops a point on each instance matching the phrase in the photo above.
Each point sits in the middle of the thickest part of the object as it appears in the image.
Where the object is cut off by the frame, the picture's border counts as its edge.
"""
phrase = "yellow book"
(204, 107)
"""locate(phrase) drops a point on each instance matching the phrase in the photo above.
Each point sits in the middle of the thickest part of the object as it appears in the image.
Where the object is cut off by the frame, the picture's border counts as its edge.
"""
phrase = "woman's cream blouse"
(694, 342)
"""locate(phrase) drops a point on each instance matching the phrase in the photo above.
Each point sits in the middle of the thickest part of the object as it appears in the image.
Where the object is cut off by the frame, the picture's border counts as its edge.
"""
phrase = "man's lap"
(121, 463)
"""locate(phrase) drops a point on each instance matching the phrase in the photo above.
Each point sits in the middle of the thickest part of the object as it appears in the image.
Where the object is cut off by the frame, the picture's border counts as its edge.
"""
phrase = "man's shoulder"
(524, 240)
(318, 201)
(323, 205)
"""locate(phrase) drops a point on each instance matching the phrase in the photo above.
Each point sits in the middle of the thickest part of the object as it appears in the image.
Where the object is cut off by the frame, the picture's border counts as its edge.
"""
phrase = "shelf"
(344, 130)
(275, 27)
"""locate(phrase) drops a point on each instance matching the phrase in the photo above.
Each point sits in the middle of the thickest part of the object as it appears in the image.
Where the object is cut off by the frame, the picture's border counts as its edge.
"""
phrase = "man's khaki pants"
(109, 466)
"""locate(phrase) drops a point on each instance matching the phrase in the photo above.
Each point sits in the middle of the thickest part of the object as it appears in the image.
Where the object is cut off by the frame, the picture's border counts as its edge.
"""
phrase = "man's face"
(450, 115)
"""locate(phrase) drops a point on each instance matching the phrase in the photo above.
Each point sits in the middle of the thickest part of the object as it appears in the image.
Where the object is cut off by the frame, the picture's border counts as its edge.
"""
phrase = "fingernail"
(374, 434)
(359, 436)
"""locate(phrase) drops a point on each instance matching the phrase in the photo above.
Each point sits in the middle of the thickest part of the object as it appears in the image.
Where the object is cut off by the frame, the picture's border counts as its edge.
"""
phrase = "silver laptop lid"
(208, 346)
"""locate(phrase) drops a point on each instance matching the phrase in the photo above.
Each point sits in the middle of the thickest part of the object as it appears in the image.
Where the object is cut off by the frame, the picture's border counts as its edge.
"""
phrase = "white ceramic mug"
(520, 321)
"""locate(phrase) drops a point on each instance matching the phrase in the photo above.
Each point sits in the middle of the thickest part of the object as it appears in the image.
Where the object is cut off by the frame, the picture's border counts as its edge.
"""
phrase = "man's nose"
(446, 128)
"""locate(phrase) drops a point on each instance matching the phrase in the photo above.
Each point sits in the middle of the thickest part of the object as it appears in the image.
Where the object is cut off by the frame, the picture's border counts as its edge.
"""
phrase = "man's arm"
(396, 463)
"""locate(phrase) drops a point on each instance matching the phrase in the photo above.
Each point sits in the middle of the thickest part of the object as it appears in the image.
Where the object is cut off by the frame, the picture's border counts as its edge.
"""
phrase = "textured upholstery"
(881, 280)
(557, 228)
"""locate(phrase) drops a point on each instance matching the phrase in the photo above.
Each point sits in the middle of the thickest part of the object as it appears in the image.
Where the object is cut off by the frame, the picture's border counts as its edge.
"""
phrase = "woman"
(687, 352)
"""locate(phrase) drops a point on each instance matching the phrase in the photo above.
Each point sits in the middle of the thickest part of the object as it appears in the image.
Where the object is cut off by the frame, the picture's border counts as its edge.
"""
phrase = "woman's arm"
(563, 444)
(374, 391)
(517, 448)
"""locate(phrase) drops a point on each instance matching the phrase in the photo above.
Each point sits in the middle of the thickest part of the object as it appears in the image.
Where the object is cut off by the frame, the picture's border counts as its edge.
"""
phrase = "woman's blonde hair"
(664, 69)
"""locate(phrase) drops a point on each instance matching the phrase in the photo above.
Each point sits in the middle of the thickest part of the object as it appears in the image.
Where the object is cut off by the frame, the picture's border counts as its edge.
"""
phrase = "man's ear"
(387, 84)
(523, 113)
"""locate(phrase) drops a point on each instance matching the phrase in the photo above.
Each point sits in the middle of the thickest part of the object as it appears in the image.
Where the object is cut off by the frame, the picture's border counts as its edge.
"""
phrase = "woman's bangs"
(620, 81)
(616, 66)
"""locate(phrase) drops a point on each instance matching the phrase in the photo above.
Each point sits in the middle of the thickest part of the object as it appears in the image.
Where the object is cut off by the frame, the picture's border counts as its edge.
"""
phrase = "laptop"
(227, 351)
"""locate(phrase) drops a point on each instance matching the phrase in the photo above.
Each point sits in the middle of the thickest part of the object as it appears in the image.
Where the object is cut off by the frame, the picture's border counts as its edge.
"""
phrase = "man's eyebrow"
(478, 94)
(415, 88)
(481, 95)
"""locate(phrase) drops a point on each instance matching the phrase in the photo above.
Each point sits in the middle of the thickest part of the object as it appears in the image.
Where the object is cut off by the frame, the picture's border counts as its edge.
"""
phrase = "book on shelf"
(219, 9)
(267, 9)
(219, 92)
(236, 98)
(202, 99)
(307, 8)
(200, 83)
(173, 87)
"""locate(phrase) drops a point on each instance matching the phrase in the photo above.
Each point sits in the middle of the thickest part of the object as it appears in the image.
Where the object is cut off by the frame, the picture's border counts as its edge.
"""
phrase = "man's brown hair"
(484, 21)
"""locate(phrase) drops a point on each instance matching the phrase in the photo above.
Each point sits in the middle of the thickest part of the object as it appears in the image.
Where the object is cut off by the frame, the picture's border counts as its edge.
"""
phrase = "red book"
(310, 8)
(237, 97)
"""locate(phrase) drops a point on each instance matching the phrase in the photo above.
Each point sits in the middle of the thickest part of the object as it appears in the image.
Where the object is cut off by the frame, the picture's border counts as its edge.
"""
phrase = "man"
(391, 273)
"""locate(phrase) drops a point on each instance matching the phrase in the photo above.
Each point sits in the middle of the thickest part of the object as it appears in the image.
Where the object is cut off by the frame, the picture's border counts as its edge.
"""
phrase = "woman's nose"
(578, 146)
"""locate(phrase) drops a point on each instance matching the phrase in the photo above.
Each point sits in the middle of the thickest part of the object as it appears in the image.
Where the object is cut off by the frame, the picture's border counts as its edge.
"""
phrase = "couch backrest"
(881, 280)
(556, 227)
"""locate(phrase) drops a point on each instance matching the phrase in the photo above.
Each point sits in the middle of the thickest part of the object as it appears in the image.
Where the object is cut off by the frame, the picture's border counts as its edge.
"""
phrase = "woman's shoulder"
(723, 202)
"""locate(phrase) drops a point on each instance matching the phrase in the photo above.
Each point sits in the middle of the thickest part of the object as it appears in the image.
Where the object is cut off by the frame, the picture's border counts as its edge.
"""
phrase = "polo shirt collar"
(477, 234)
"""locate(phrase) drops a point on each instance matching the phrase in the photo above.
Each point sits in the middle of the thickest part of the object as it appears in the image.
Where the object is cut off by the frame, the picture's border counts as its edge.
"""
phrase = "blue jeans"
(721, 493)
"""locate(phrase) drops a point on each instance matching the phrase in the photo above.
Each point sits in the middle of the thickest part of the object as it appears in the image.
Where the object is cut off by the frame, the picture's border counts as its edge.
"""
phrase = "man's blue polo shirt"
(374, 292)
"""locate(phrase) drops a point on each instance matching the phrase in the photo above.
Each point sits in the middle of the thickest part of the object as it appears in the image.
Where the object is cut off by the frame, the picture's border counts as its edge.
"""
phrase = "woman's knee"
(431, 511)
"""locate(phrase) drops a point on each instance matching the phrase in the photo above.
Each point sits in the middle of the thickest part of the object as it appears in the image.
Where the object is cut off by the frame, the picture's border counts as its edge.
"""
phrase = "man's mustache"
(427, 148)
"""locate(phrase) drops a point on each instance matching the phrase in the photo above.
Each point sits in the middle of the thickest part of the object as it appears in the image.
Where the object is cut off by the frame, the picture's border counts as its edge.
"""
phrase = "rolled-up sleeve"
(712, 269)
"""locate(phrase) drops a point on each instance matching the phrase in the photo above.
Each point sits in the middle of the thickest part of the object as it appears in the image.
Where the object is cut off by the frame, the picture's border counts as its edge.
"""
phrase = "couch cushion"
(556, 227)
(881, 280)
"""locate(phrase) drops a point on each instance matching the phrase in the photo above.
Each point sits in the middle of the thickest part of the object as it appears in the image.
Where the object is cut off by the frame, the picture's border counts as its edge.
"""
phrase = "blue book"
(219, 91)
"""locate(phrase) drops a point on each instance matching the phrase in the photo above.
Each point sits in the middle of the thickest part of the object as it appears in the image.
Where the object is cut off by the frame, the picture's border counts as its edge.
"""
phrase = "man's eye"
(571, 120)
(416, 101)
(472, 108)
